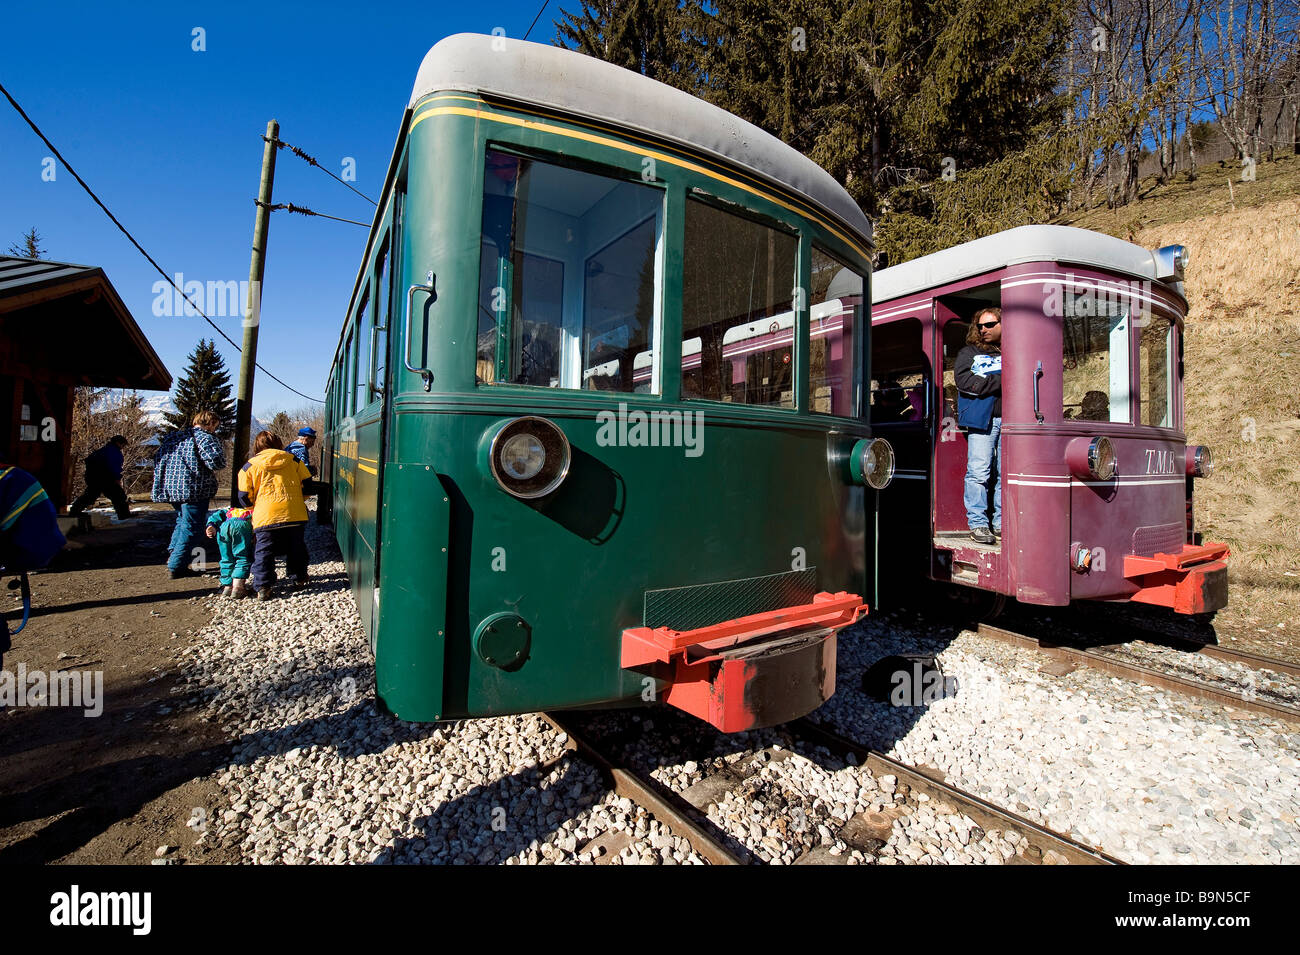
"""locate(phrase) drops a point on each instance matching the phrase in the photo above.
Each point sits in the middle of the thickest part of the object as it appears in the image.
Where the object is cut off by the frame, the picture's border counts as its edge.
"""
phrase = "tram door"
(364, 425)
(949, 469)
(953, 315)
(903, 412)
(386, 271)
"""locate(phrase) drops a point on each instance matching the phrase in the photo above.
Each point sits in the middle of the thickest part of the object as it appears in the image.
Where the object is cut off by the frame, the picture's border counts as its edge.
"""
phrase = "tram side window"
(900, 385)
(1095, 376)
(737, 309)
(1156, 373)
(363, 352)
(380, 359)
(835, 308)
(349, 375)
(567, 280)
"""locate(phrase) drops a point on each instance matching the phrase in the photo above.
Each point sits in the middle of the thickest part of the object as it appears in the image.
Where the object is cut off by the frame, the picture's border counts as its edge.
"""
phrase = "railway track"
(1227, 654)
(1040, 839)
(672, 811)
(685, 815)
(1110, 658)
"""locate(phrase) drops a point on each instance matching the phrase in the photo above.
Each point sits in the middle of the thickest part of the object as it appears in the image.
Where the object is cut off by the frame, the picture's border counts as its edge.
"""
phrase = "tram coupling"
(750, 672)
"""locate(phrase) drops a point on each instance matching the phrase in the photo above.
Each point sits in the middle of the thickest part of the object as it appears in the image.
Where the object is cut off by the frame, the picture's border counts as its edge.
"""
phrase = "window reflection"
(737, 319)
(835, 311)
(618, 313)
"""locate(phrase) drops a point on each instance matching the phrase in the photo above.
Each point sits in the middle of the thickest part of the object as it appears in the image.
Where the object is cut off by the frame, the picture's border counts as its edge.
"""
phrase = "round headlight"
(529, 457)
(522, 456)
(872, 463)
(1200, 462)
(1101, 459)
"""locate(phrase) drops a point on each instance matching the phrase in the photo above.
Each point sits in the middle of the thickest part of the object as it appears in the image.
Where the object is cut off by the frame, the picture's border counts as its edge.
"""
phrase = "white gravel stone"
(319, 775)
(1148, 775)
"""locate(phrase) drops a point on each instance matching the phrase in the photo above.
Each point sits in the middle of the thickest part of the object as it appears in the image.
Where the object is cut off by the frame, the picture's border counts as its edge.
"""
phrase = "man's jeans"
(189, 525)
(983, 463)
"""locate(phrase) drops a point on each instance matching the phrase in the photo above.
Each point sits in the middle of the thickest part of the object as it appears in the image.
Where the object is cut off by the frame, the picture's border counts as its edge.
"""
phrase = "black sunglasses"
(990, 324)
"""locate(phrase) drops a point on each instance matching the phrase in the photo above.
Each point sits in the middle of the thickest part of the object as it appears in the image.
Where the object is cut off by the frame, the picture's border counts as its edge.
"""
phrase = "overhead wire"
(536, 18)
(123, 229)
(311, 160)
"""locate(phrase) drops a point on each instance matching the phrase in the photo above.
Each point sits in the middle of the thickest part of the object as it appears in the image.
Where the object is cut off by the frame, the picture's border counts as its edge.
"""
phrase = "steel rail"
(670, 809)
(1217, 651)
(987, 814)
(1142, 674)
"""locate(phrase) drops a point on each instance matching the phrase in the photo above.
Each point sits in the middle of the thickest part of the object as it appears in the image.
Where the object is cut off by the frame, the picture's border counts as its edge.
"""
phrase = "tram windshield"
(1096, 372)
(835, 318)
(1097, 368)
(567, 277)
(1156, 373)
(737, 309)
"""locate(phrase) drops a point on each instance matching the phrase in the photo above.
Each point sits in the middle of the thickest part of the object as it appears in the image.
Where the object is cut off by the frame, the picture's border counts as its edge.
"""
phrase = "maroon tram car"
(1096, 474)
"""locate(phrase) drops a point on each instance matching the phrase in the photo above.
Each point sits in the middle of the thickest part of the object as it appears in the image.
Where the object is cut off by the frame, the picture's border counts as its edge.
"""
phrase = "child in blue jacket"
(232, 527)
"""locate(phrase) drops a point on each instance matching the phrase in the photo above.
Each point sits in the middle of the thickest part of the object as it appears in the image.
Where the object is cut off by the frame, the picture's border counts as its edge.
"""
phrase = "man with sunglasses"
(979, 412)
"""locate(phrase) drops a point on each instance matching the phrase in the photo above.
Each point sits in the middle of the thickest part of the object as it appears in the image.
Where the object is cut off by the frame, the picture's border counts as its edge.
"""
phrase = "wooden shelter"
(61, 326)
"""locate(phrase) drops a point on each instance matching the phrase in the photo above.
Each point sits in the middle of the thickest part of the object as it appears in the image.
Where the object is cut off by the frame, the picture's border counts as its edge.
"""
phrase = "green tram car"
(594, 424)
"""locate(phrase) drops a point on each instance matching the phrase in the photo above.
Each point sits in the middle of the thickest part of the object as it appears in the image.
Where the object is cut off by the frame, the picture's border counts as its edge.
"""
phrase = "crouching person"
(271, 484)
(232, 528)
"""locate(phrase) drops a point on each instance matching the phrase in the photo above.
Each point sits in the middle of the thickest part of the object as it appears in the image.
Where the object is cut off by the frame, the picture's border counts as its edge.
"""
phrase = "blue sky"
(170, 139)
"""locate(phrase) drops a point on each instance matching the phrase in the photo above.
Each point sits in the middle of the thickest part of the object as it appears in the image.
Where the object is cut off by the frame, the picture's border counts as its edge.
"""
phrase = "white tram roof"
(583, 86)
(1026, 243)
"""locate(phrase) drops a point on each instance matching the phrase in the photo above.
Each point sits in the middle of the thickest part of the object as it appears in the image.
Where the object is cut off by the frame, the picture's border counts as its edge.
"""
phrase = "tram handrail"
(1038, 373)
(426, 374)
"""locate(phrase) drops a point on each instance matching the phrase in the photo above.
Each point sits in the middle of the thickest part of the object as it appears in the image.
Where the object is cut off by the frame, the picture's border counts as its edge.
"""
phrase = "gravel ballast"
(318, 774)
(1146, 774)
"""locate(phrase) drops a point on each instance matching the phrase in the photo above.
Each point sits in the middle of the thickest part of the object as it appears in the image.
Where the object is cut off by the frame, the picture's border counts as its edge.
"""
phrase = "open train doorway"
(959, 506)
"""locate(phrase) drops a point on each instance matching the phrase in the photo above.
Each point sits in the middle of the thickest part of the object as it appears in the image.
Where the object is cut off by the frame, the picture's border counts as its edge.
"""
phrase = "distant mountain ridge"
(157, 404)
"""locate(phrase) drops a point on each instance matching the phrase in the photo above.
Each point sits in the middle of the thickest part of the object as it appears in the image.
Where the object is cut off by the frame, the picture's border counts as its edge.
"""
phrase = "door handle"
(425, 374)
(1038, 373)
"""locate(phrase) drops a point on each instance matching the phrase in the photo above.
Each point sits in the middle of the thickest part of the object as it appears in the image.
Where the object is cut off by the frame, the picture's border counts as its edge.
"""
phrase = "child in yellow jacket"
(271, 483)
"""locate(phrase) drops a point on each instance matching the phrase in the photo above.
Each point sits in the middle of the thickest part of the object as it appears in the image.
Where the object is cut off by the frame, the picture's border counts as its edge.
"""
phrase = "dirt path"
(110, 788)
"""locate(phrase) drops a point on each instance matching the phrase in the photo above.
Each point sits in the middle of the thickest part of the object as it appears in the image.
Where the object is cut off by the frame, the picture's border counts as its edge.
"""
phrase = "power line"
(536, 18)
(281, 144)
(121, 228)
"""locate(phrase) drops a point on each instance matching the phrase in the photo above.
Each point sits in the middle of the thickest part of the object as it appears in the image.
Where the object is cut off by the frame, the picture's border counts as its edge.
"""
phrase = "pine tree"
(205, 386)
(880, 92)
(29, 247)
(282, 427)
(645, 36)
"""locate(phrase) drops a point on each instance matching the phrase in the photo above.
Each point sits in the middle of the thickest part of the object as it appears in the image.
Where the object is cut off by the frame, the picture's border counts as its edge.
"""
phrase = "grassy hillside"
(1242, 374)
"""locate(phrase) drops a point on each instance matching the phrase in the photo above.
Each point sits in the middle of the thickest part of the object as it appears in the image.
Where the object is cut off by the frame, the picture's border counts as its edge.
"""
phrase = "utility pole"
(256, 269)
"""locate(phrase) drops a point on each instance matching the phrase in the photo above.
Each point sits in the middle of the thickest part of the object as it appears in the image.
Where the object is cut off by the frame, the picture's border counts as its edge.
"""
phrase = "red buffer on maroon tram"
(1031, 384)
